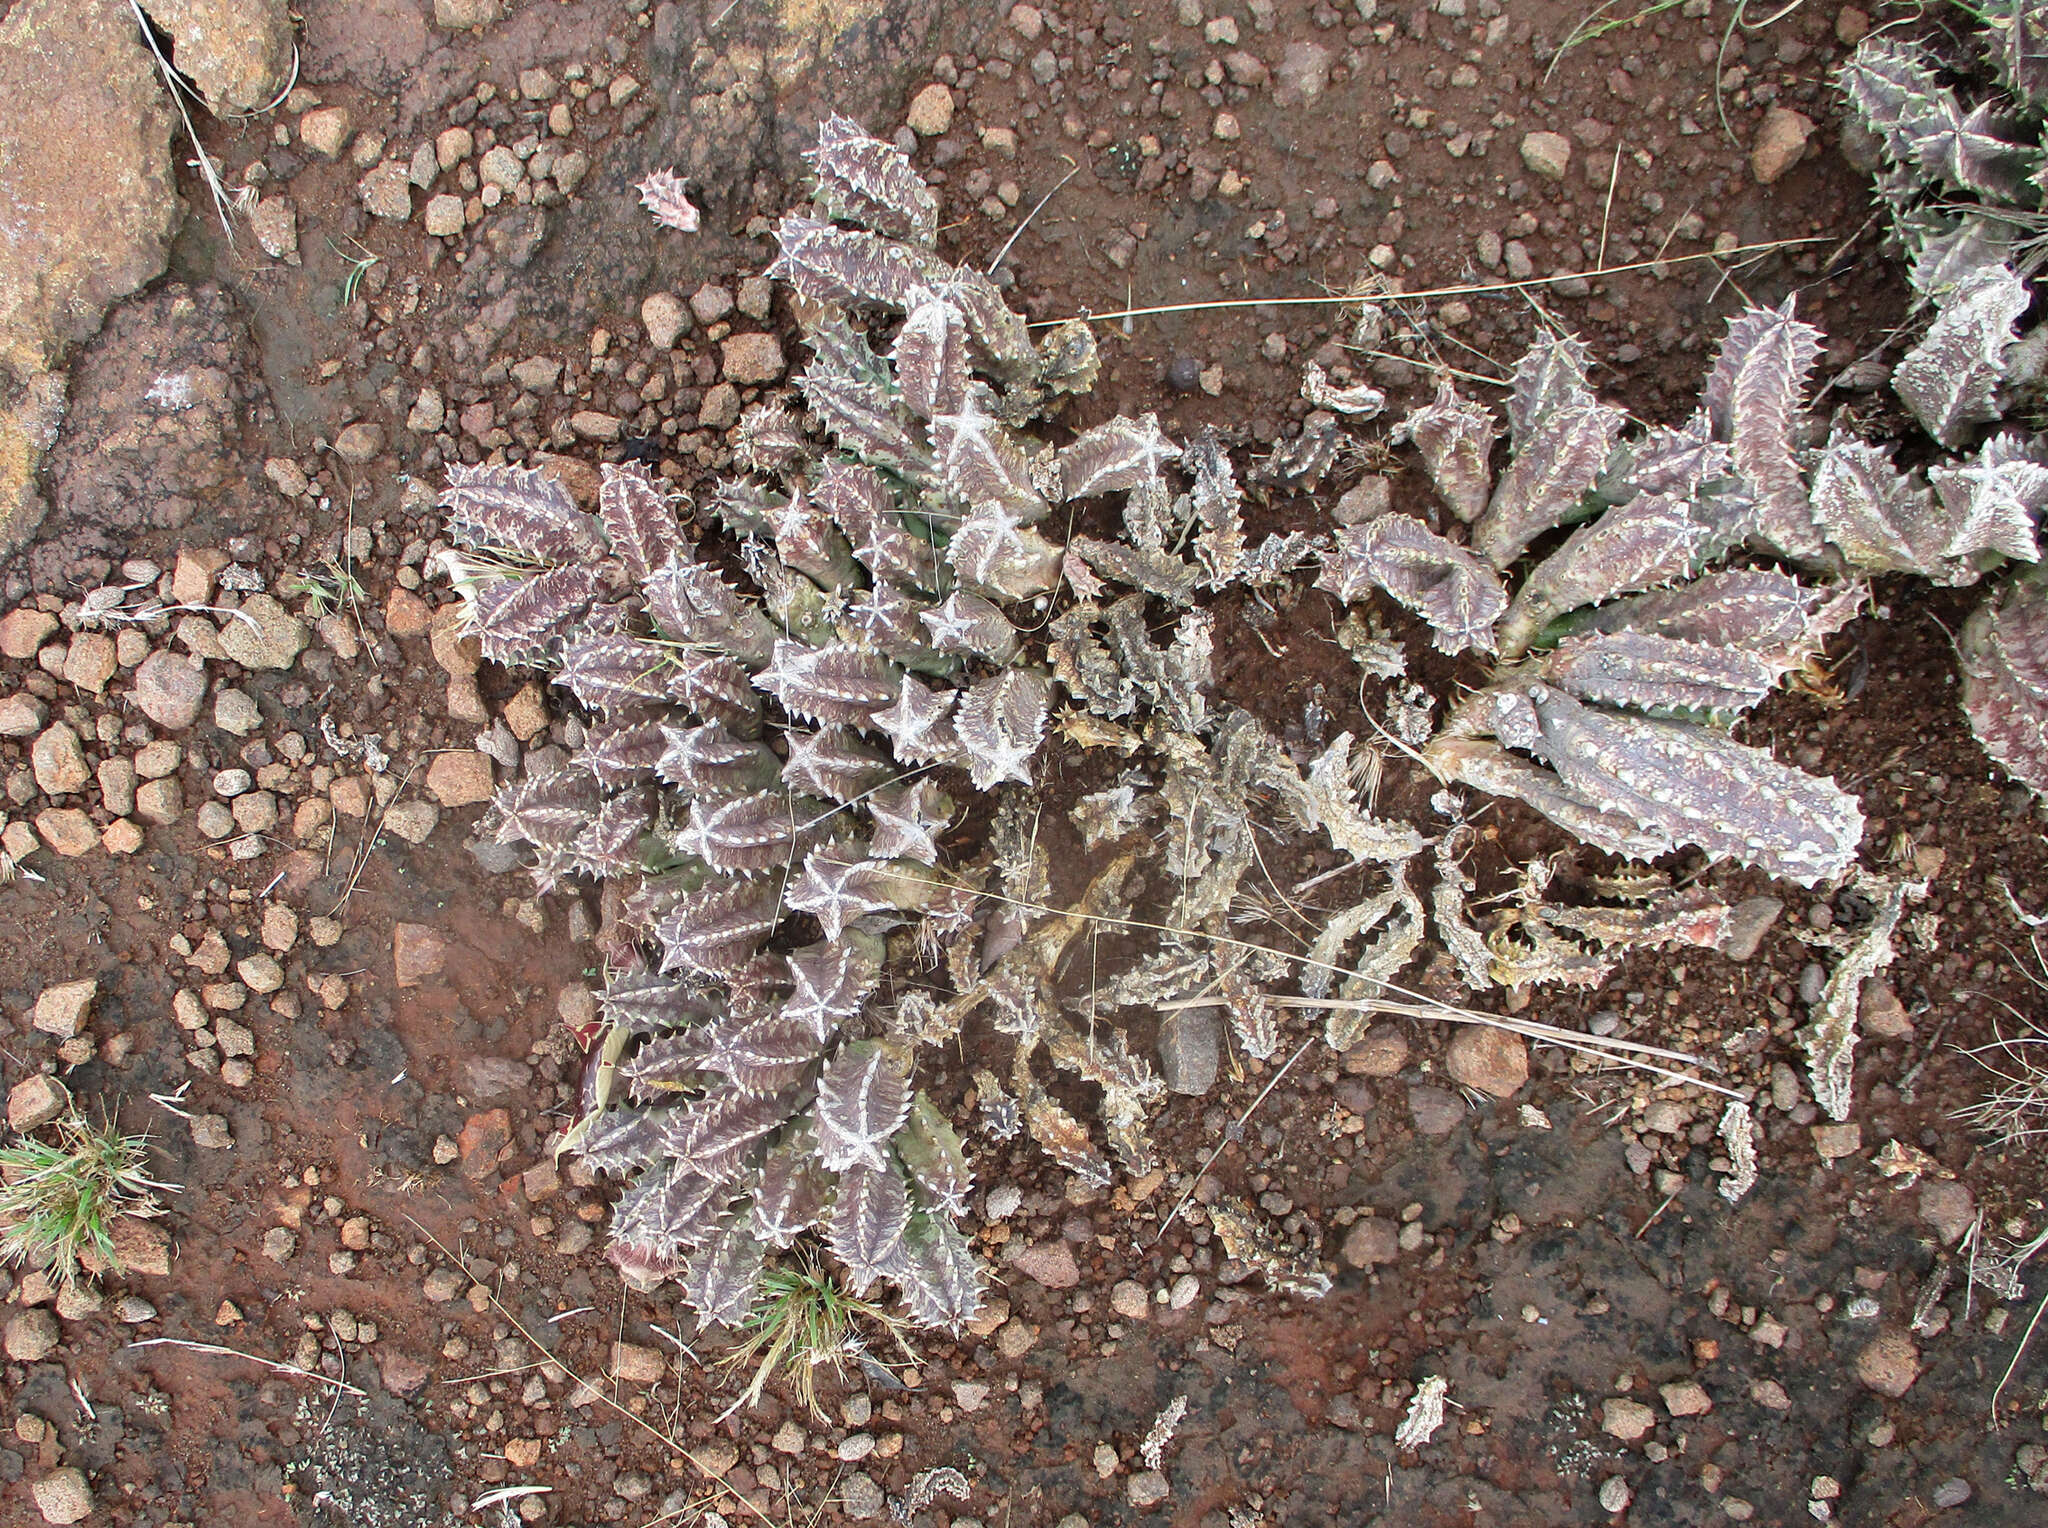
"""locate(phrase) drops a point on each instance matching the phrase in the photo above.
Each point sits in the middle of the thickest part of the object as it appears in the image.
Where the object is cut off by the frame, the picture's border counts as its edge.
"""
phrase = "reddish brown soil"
(1550, 1276)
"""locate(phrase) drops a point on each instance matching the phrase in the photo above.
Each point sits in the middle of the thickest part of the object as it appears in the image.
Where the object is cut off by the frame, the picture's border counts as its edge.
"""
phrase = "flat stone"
(1881, 1014)
(1191, 1050)
(1780, 141)
(970, 1395)
(22, 715)
(1748, 922)
(67, 831)
(210, 1132)
(35, 1101)
(386, 191)
(62, 1496)
(1948, 1207)
(442, 1285)
(32, 1336)
(486, 1078)
(1050, 1264)
(860, 1498)
(141, 1246)
(1491, 1060)
(1834, 1142)
(751, 358)
(931, 111)
(1145, 1489)
(1382, 1052)
(325, 130)
(460, 777)
(638, 1365)
(24, 629)
(665, 317)
(444, 215)
(401, 1372)
(63, 1010)
(484, 1137)
(235, 711)
(1371, 1242)
(413, 820)
(59, 761)
(460, 15)
(359, 443)
(1434, 1110)
(263, 634)
(1625, 1419)
(1686, 1398)
(406, 614)
(91, 662)
(417, 953)
(1130, 1300)
(1547, 154)
(1889, 1364)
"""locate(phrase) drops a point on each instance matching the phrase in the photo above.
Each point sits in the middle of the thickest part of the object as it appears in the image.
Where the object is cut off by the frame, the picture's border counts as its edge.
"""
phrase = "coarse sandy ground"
(1552, 1255)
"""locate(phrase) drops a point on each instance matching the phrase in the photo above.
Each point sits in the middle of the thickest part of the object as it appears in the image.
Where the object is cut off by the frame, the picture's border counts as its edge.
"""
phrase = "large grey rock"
(238, 52)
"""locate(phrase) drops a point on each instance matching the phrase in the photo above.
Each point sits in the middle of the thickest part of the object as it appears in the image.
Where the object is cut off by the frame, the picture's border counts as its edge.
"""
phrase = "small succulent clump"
(1962, 181)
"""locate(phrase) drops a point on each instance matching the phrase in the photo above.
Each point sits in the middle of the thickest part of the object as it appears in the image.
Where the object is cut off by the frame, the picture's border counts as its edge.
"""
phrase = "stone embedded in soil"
(1833, 1142)
(1191, 1050)
(1434, 1110)
(210, 1132)
(1382, 1052)
(417, 953)
(637, 1365)
(1491, 1060)
(1780, 140)
(460, 777)
(263, 634)
(325, 130)
(460, 15)
(62, 1010)
(280, 1244)
(171, 689)
(444, 217)
(32, 1336)
(406, 614)
(484, 1137)
(387, 191)
(1625, 1419)
(1881, 1014)
(1146, 1489)
(414, 821)
(59, 761)
(489, 1077)
(1050, 1264)
(931, 111)
(751, 358)
(24, 629)
(1372, 1241)
(401, 1372)
(1949, 1208)
(1686, 1398)
(22, 715)
(67, 831)
(35, 1101)
(62, 1496)
(1130, 1300)
(140, 1246)
(1889, 1364)
(664, 317)
(442, 1285)
(1547, 154)
(860, 1498)
(276, 226)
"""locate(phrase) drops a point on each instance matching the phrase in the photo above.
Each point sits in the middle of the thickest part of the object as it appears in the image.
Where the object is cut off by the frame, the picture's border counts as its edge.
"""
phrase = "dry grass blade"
(1480, 289)
(255, 1358)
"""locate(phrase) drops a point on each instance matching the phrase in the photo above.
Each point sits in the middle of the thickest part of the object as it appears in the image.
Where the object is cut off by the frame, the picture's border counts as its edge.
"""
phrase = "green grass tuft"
(59, 1201)
(804, 1322)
